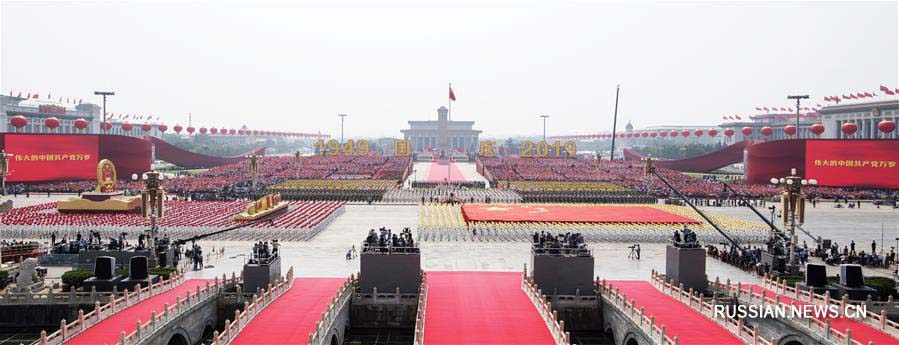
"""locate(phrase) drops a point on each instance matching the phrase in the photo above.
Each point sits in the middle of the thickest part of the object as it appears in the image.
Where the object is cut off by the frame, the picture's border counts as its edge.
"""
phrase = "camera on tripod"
(635, 252)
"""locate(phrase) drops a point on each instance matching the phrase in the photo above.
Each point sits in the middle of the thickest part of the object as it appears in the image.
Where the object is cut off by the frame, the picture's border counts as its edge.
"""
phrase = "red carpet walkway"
(438, 173)
(481, 308)
(109, 330)
(291, 317)
(861, 331)
(679, 320)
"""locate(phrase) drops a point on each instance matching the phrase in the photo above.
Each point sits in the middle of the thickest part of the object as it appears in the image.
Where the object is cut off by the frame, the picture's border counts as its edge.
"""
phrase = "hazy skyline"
(282, 66)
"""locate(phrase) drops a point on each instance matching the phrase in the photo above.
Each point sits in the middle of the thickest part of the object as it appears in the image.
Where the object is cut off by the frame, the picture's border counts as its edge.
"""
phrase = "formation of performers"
(583, 196)
(386, 241)
(562, 244)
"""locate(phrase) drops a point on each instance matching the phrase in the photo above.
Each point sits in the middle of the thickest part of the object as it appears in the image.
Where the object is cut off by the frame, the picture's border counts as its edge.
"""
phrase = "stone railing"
(170, 313)
(876, 320)
(251, 309)
(814, 325)
(556, 326)
(639, 318)
(338, 303)
(68, 330)
(420, 313)
(51, 297)
(735, 326)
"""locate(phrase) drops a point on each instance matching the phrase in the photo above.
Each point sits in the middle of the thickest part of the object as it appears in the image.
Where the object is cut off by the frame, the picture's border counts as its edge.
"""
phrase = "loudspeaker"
(851, 275)
(104, 267)
(815, 275)
(138, 268)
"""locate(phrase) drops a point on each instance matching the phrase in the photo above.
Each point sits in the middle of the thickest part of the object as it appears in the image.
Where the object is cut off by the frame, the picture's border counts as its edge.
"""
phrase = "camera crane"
(650, 170)
(777, 231)
(266, 218)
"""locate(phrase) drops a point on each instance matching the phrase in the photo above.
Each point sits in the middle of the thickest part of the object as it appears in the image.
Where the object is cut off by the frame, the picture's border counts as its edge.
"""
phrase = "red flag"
(846, 97)
(868, 94)
(766, 108)
(724, 117)
(884, 88)
(758, 109)
(20, 94)
(452, 96)
(738, 117)
(859, 95)
(890, 92)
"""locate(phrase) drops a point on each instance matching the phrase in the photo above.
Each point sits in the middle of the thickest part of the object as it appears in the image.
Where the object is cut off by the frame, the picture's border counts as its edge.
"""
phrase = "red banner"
(51, 157)
(585, 214)
(853, 163)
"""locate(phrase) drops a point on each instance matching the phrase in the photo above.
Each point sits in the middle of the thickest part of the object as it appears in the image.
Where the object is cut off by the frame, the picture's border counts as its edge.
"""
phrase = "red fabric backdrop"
(588, 214)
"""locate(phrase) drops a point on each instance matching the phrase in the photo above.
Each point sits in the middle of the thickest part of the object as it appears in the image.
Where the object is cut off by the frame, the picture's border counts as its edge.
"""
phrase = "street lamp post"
(544, 126)
(342, 117)
(104, 94)
(4, 167)
(152, 206)
(793, 209)
(797, 98)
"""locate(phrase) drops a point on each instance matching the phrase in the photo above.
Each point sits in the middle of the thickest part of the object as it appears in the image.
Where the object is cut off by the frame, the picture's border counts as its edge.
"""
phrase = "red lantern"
(849, 128)
(644, 134)
(240, 131)
(223, 130)
(146, 127)
(685, 133)
(80, 124)
(698, 133)
(766, 131)
(663, 134)
(162, 128)
(713, 132)
(190, 130)
(177, 128)
(51, 123)
(106, 126)
(232, 131)
(673, 134)
(203, 130)
(213, 130)
(18, 122)
(255, 132)
(729, 132)
(790, 130)
(127, 127)
(653, 134)
(817, 129)
(747, 131)
(886, 126)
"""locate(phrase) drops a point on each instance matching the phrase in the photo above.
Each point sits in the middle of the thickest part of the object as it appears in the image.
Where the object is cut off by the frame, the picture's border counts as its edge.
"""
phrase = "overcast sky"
(283, 66)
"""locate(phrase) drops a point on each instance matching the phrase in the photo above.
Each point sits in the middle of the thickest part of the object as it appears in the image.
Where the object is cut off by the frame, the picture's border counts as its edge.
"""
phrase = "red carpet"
(679, 320)
(291, 317)
(439, 173)
(861, 331)
(481, 308)
(109, 330)
(585, 214)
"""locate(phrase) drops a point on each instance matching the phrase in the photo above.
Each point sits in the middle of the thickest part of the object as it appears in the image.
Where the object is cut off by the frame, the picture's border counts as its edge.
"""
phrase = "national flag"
(452, 95)
(884, 89)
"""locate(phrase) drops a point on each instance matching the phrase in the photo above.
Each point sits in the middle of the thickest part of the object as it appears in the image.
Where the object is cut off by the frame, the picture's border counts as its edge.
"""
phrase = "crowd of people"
(834, 255)
(264, 253)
